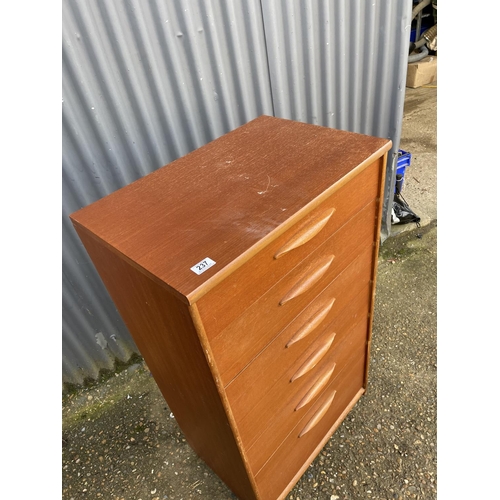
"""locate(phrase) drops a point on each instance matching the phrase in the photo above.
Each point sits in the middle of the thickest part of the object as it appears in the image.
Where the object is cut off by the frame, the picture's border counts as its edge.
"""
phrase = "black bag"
(402, 213)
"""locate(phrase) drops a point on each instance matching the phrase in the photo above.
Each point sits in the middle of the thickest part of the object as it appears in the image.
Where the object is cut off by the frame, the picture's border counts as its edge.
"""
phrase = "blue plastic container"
(404, 160)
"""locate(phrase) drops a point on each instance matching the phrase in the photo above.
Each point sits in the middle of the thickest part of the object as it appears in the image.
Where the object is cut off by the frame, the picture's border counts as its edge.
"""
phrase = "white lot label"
(203, 265)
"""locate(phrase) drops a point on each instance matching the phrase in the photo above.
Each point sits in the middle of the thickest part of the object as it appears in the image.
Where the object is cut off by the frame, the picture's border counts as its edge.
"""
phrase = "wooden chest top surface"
(226, 200)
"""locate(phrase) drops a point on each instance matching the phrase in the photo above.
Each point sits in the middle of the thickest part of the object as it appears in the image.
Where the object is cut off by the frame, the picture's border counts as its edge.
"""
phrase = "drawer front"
(246, 337)
(351, 298)
(283, 467)
(267, 425)
(237, 292)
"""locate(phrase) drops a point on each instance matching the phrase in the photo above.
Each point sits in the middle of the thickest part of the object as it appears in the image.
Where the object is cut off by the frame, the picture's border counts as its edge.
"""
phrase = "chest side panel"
(162, 327)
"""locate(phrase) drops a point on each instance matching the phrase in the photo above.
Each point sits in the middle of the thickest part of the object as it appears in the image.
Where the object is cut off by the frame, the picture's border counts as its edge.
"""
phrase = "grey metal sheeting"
(147, 82)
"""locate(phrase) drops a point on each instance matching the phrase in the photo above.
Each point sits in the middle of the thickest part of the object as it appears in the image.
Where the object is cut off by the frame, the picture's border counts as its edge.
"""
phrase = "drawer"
(295, 453)
(225, 302)
(267, 425)
(351, 298)
(249, 334)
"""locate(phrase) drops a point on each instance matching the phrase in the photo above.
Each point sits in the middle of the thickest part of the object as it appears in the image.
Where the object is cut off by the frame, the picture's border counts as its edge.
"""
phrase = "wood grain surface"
(256, 276)
(291, 459)
(245, 337)
(260, 376)
(226, 198)
(163, 329)
(268, 423)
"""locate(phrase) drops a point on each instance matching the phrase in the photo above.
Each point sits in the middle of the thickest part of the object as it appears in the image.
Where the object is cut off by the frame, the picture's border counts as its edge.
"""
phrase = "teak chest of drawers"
(245, 272)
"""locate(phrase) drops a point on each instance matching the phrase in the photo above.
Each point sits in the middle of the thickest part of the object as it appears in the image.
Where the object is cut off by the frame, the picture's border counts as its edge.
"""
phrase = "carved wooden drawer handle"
(309, 278)
(314, 358)
(318, 415)
(306, 233)
(318, 385)
(312, 322)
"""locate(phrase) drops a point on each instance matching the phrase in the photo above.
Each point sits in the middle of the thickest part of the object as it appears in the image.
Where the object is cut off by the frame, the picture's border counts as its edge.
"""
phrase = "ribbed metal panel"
(341, 64)
(145, 82)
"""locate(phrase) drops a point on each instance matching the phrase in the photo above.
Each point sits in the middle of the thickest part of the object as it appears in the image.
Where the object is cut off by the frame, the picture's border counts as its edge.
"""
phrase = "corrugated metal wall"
(146, 82)
(341, 64)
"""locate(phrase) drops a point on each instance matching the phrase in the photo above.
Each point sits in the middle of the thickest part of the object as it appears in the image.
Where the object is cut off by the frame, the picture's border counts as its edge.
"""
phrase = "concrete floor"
(120, 440)
(419, 137)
